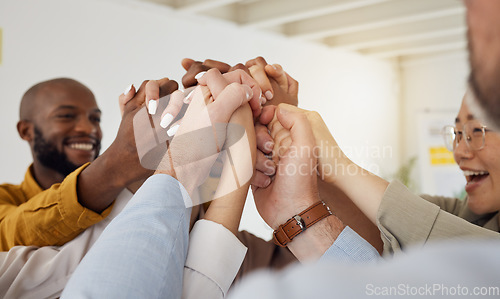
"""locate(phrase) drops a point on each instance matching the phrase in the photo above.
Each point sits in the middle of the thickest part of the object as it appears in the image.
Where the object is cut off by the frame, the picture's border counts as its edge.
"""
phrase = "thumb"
(294, 120)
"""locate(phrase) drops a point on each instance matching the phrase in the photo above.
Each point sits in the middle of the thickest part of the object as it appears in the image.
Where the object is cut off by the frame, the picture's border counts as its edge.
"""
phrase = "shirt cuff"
(73, 213)
(351, 247)
(215, 252)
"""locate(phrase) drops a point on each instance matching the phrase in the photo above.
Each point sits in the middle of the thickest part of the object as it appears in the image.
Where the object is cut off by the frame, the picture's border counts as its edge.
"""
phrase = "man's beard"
(52, 158)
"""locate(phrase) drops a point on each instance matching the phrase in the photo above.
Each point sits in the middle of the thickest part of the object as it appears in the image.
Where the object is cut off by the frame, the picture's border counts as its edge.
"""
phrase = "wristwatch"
(300, 222)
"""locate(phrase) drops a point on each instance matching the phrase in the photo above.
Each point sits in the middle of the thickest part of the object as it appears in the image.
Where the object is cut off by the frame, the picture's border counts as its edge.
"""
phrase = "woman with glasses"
(406, 219)
(477, 152)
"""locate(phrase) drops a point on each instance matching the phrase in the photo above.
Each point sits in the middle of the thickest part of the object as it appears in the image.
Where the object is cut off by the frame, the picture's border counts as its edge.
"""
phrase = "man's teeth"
(82, 146)
(469, 173)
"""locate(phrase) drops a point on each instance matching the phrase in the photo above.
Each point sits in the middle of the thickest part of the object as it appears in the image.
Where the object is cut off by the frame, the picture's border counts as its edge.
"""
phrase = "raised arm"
(142, 252)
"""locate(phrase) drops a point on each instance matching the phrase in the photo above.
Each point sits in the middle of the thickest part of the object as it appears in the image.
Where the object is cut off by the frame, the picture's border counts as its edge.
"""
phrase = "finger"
(138, 99)
(284, 140)
(174, 128)
(265, 142)
(156, 89)
(267, 114)
(221, 66)
(152, 96)
(172, 109)
(189, 97)
(274, 127)
(265, 165)
(230, 99)
(297, 123)
(215, 81)
(276, 72)
(240, 66)
(293, 85)
(257, 70)
(240, 76)
(187, 63)
(195, 67)
(260, 180)
(167, 86)
(125, 97)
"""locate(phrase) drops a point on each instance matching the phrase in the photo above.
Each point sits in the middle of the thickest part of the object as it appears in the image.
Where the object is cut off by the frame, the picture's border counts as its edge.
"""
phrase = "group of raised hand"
(285, 144)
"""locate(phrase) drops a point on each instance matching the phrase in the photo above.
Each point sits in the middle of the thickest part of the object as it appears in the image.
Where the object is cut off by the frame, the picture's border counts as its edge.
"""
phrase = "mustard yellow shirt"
(32, 216)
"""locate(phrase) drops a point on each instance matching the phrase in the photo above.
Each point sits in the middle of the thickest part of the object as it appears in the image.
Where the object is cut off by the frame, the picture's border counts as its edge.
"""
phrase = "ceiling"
(380, 28)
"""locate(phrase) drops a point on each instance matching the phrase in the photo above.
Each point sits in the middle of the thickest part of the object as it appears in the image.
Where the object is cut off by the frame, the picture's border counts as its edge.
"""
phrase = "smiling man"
(62, 194)
(60, 121)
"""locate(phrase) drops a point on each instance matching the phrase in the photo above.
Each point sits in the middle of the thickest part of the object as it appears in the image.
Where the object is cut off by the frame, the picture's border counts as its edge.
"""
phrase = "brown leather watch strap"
(300, 222)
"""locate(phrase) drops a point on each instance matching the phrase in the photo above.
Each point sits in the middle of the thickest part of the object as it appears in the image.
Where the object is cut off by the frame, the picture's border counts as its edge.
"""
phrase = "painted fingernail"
(166, 120)
(171, 132)
(187, 99)
(152, 105)
(199, 75)
(127, 90)
(269, 95)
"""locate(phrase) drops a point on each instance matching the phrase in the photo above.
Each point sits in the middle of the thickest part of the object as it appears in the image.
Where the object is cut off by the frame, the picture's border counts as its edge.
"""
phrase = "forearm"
(238, 167)
(100, 183)
(227, 210)
(363, 187)
(350, 214)
(156, 218)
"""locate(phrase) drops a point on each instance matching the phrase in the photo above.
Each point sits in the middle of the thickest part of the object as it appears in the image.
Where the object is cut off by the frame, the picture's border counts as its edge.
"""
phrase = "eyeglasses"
(473, 131)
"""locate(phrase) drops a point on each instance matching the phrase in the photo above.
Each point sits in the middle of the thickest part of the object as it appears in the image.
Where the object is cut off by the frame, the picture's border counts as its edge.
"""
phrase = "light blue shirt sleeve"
(351, 247)
(141, 254)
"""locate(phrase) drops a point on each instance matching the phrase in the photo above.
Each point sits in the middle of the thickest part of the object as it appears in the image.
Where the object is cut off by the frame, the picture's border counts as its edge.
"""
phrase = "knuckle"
(315, 115)
(260, 60)
(240, 67)
(213, 71)
(240, 72)
(283, 105)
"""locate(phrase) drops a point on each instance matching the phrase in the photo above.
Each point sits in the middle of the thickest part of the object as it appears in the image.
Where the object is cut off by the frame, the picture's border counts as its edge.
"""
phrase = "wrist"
(315, 241)
(300, 223)
(105, 167)
(294, 208)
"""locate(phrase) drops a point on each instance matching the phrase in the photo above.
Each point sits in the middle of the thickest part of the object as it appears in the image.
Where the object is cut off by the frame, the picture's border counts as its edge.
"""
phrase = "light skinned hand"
(294, 187)
(214, 101)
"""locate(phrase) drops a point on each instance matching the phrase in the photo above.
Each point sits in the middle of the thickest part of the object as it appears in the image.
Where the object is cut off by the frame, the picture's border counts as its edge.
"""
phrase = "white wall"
(434, 84)
(110, 44)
